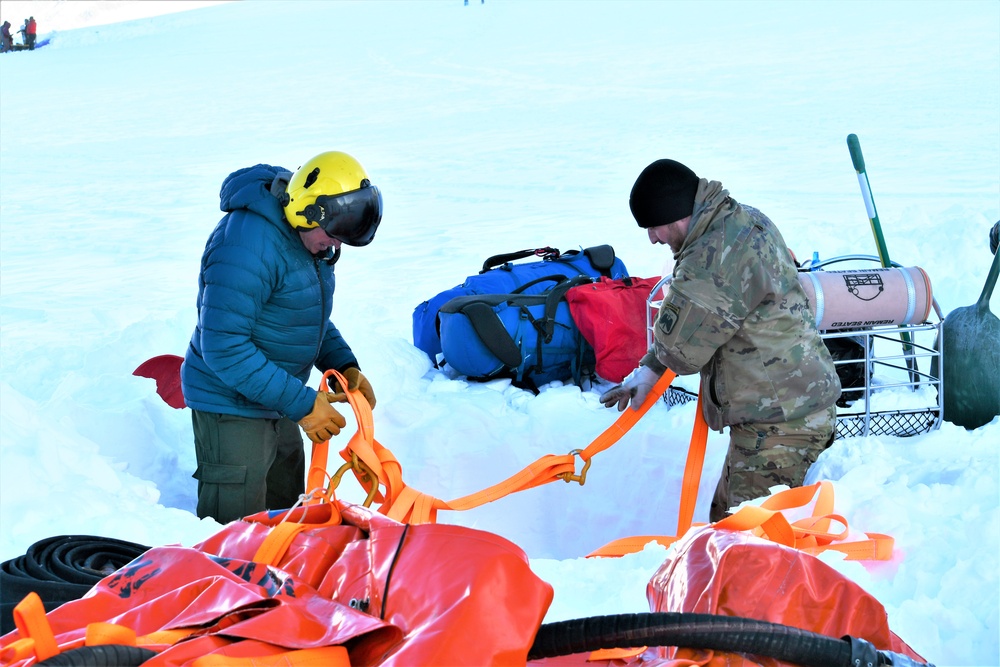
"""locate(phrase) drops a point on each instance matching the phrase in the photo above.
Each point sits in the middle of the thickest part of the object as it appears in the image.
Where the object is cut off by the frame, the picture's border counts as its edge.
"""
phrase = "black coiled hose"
(722, 633)
(60, 569)
(707, 631)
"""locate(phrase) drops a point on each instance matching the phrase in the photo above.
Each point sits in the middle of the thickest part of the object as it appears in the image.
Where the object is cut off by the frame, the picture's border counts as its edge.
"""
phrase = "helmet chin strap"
(279, 186)
(332, 259)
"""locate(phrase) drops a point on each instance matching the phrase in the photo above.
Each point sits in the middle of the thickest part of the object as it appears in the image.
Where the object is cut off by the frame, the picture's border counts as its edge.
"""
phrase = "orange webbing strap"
(98, 634)
(164, 637)
(324, 656)
(876, 547)
(277, 542)
(628, 418)
(38, 641)
(405, 504)
(692, 470)
(629, 545)
(625, 654)
(415, 507)
(316, 476)
(811, 534)
(546, 469)
(689, 495)
(280, 537)
(37, 638)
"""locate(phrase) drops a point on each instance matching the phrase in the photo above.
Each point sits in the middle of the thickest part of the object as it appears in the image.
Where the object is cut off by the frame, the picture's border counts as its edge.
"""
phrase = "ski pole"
(854, 146)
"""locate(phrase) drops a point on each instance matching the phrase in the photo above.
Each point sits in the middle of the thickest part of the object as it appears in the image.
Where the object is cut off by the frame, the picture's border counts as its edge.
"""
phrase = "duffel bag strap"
(498, 260)
(602, 258)
(552, 299)
(492, 333)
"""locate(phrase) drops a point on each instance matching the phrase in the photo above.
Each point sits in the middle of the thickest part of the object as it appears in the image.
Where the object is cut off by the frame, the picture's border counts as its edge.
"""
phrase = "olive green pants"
(246, 465)
(763, 455)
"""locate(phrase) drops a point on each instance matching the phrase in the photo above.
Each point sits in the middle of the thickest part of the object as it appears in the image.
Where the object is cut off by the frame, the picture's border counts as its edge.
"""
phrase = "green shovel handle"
(854, 146)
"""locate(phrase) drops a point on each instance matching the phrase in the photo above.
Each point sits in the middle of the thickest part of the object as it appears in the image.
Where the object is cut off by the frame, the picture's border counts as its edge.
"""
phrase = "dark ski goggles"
(351, 217)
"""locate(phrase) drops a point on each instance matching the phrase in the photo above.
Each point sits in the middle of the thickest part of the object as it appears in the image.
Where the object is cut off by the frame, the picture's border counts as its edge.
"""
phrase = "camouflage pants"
(763, 455)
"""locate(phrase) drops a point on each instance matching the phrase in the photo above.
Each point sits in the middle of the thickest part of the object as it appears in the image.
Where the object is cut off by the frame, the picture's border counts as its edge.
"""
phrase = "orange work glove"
(356, 382)
(323, 422)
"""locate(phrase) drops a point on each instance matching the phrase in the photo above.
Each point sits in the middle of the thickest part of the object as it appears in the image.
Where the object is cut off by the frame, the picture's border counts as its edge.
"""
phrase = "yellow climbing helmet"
(332, 191)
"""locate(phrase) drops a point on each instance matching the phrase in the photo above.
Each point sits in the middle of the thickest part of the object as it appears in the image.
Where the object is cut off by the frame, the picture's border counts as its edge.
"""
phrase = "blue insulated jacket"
(264, 306)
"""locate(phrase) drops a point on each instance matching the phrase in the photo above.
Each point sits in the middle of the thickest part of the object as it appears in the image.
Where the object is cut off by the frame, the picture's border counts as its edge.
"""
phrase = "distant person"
(265, 294)
(6, 39)
(735, 312)
(31, 29)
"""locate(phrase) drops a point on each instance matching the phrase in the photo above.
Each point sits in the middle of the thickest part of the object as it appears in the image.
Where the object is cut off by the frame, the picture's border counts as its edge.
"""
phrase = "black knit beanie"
(663, 193)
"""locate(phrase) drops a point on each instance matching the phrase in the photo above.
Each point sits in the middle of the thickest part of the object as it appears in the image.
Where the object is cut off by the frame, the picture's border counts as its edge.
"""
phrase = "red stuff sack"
(611, 315)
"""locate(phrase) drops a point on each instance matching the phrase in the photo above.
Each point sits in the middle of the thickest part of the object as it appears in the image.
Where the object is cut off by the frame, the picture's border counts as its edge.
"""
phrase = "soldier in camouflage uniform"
(735, 312)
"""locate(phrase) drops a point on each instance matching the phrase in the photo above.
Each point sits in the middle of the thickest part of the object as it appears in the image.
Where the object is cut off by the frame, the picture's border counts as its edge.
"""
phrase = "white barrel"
(863, 298)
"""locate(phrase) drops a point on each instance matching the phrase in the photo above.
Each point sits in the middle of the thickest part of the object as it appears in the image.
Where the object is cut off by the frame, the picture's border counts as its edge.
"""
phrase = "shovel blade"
(970, 339)
(166, 370)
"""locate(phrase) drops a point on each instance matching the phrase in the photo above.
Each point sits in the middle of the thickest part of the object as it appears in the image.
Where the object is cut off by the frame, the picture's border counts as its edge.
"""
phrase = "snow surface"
(490, 128)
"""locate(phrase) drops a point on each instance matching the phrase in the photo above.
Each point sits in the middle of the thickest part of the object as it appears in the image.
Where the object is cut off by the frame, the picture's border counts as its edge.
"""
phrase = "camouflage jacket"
(735, 312)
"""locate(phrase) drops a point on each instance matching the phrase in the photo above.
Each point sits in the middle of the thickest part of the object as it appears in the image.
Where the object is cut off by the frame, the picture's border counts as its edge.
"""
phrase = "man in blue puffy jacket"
(265, 294)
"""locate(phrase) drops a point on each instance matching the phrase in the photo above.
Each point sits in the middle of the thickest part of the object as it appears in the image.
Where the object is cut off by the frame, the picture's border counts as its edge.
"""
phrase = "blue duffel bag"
(529, 338)
(501, 276)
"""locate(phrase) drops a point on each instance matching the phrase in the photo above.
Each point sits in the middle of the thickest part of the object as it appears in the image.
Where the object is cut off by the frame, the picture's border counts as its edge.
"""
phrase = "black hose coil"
(705, 631)
(60, 569)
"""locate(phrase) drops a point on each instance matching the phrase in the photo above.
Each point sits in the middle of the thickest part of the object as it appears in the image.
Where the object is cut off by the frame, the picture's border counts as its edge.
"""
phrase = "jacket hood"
(255, 189)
